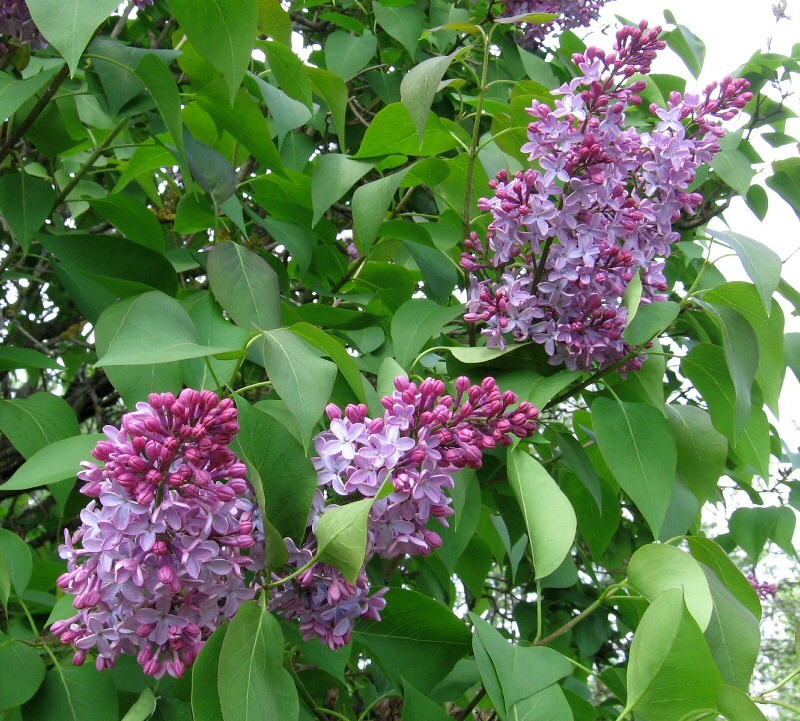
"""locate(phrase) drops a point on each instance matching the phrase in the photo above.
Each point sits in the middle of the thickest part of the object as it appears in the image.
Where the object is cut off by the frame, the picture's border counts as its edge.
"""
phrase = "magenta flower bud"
(333, 411)
(79, 658)
(166, 574)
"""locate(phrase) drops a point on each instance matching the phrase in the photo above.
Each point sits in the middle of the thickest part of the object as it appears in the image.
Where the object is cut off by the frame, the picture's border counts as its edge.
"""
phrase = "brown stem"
(470, 707)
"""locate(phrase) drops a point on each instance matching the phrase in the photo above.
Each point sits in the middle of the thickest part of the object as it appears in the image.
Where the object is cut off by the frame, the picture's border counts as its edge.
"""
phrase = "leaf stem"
(291, 576)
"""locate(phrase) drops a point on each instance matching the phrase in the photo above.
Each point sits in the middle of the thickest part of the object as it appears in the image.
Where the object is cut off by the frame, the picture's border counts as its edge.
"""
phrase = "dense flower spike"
(567, 238)
(571, 14)
(423, 439)
(162, 556)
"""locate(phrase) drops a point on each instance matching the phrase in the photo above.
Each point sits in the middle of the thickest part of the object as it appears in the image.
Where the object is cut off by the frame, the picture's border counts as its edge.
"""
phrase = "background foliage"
(187, 202)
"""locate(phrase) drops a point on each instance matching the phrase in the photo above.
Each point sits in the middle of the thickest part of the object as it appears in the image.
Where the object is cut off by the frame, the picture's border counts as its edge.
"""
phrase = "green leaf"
(74, 693)
(289, 71)
(657, 567)
(734, 168)
(245, 286)
(23, 673)
(404, 24)
(36, 421)
(143, 708)
(150, 328)
(393, 132)
(740, 346)
(337, 353)
(786, 181)
(702, 451)
(287, 114)
(637, 445)
(417, 638)
(14, 93)
(223, 33)
(342, 537)
(549, 516)
(333, 90)
(347, 55)
(762, 264)
(280, 467)
(209, 168)
(745, 300)
(291, 364)
(751, 528)
(687, 46)
(18, 560)
(419, 86)
(274, 21)
(550, 704)
(418, 707)
(632, 297)
(25, 203)
(132, 218)
(333, 176)
(530, 18)
(370, 204)
(513, 673)
(205, 694)
(69, 26)
(467, 506)
(671, 673)
(415, 323)
(704, 365)
(252, 681)
(56, 462)
(159, 81)
(13, 358)
(758, 201)
(651, 320)
(735, 705)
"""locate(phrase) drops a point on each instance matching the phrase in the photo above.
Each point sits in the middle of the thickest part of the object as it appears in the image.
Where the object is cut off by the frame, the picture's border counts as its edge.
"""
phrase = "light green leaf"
(637, 445)
(333, 176)
(418, 707)
(245, 286)
(392, 132)
(54, 463)
(370, 203)
(342, 537)
(18, 559)
(36, 421)
(333, 90)
(291, 364)
(205, 692)
(289, 72)
(735, 705)
(25, 203)
(650, 320)
(786, 181)
(347, 55)
(253, 685)
(467, 506)
(549, 516)
(415, 323)
(13, 358)
(68, 26)
(419, 87)
(751, 528)
(14, 93)
(143, 708)
(704, 365)
(223, 33)
(671, 673)
(734, 168)
(404, 24)
(147, 329)
(686, 45)
(762, 264)
(550, 704)
(657, 567)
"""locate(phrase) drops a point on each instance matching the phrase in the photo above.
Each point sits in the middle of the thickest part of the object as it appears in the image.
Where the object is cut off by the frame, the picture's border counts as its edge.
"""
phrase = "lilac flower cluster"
(764, 589)
(424, 437)
(571, 14)
(566, 238)
(167, 538)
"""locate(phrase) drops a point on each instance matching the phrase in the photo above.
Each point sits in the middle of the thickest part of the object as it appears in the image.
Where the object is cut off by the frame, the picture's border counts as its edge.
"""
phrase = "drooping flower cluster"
(424, 437)
(571, 14)
(764, 589)
(568, 237)
(159, 560)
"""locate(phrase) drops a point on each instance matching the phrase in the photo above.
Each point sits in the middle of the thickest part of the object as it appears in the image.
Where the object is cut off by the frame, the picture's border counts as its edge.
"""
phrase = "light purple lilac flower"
(571, 14)
(764, 589)
(159, 560)
(423, 439)
(567, 237)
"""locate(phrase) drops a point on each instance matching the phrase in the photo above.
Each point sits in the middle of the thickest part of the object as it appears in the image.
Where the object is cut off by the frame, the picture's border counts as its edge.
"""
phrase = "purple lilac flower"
(16, 22)
(423, 439)
(571, 14)
(567, 237)
(159, 560)
(764, 589)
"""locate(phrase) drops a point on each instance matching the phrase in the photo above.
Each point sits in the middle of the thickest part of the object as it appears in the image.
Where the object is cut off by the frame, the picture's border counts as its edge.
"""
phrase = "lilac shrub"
(568, 236)
(571, 14)
(159, 561)
(423, 439)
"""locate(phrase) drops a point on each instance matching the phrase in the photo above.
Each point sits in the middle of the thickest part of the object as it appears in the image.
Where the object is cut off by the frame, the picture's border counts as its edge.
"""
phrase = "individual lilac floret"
(324, 603)
(16, 22)
(571, 14)
(764, 589)
(160, 558)
(568, 236)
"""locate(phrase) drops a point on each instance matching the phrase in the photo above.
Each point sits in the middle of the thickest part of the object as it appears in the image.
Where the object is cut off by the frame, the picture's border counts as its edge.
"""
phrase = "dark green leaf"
(159, 81)
(347, 55)
(143, 708)
(18, 562)
(25, 203)
(419, 87)
(467, 506)
(418, 707)
(786, 181)
(404, 24)
(751, 528)
(23, 673)
(205, 694)
(289, 72)
(209, 168)
(15, 93)
(74, 693)
(704, 365)
(415, 322)
(37, 421)
(13, 358)
(334, 175)
(132, 218)
(650, 320)
(370, 204)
